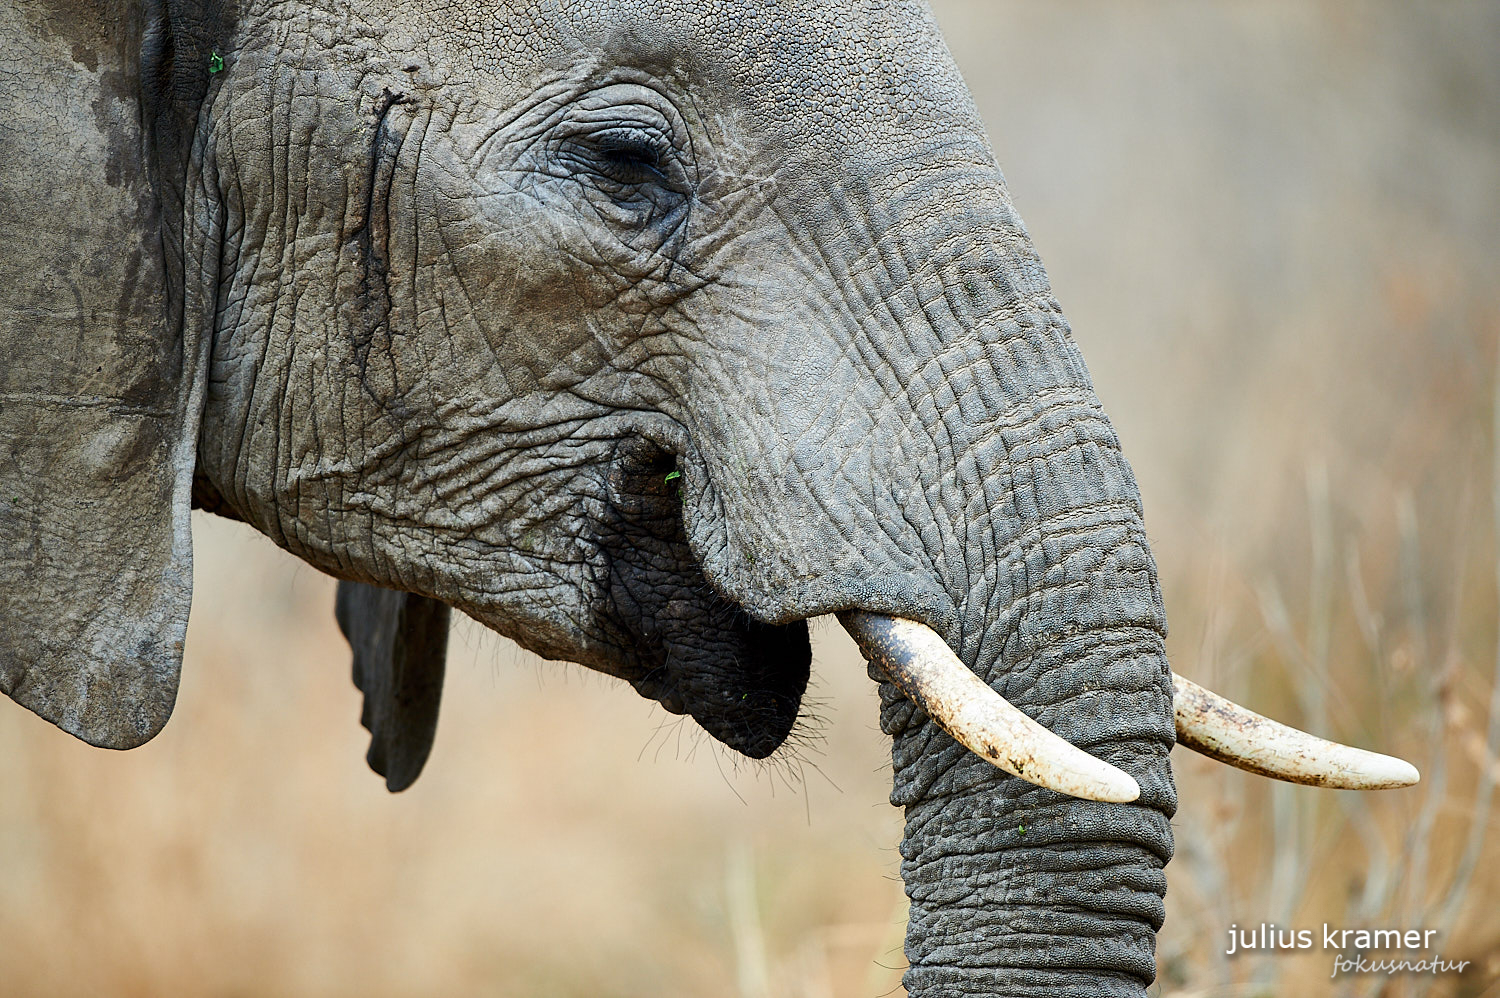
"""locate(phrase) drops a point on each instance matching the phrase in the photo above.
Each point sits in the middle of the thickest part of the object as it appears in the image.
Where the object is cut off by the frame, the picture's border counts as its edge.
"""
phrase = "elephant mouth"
(681, 642)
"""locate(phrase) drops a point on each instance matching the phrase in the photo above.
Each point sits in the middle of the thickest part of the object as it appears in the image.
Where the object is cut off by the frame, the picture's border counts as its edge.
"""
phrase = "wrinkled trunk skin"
(962, 435)
(1017, 890)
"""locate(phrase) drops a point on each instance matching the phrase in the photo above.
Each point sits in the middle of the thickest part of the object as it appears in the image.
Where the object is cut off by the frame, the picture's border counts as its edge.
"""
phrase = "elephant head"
(640, 333)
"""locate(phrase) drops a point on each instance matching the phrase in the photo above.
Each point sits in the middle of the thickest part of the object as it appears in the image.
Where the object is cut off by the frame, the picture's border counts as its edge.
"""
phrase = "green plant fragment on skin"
(215, 63)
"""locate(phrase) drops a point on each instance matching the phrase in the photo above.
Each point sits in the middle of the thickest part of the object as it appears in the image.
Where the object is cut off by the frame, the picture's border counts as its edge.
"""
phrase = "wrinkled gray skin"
(436, 296)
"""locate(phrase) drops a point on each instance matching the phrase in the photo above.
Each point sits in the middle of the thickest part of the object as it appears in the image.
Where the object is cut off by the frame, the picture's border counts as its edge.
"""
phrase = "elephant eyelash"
(622, 160)
(630, 158)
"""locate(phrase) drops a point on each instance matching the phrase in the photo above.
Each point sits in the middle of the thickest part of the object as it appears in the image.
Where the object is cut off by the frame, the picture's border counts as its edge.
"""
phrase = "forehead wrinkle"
(826, 77)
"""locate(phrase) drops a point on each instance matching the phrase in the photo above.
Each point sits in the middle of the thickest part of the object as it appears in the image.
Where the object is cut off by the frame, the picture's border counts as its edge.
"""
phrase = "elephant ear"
(400, 644)
(99, 386)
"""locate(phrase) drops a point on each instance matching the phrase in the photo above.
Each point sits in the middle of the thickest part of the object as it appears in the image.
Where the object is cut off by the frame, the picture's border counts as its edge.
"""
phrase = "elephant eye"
(630, 157)
(625, 162)
(617, 149)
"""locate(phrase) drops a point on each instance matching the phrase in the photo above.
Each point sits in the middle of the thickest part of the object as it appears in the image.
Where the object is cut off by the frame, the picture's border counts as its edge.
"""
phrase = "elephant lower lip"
(657, 685)
(685, 643)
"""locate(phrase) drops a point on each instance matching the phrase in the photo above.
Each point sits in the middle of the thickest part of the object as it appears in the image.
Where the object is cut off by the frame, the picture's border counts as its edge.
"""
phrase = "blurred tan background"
(1275, 228)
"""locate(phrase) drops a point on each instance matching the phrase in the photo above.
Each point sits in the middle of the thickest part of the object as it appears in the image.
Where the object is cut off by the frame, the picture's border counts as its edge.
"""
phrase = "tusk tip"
(1389, 773)
(1122, 791)
(1089, 778)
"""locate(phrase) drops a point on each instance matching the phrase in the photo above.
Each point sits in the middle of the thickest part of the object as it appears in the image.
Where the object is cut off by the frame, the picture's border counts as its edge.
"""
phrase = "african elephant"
(640, 333)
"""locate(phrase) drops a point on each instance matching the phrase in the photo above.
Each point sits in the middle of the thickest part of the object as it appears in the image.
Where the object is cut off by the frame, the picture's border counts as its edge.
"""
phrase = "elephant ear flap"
(99, 388)
(400, 644)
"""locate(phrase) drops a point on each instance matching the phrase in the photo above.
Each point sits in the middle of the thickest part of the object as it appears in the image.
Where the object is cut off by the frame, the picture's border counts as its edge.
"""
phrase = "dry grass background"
(1276, 229)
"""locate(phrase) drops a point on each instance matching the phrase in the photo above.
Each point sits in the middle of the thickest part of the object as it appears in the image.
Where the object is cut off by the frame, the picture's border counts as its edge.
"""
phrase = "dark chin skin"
(746, 690)
(693, 650)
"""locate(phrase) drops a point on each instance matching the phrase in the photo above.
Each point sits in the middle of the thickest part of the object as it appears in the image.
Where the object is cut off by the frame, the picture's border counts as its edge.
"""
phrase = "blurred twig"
(1484, 794)
(752, 969)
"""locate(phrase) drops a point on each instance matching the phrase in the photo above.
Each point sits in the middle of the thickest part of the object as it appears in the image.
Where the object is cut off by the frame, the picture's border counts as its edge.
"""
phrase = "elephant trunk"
(1016, 889)
(951, 433)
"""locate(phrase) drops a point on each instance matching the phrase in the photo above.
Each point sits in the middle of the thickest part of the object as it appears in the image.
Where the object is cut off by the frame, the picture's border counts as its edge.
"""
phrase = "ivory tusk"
(923, 667)
(1223, 730)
